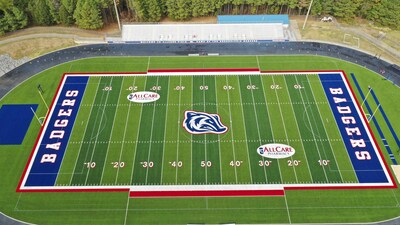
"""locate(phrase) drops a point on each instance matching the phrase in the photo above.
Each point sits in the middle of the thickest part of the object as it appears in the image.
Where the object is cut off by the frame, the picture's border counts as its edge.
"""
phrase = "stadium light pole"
(308, 12)
(116, 12)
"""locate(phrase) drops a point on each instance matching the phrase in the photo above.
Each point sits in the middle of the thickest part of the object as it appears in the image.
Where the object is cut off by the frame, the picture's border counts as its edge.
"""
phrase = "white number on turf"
(118, 164)
(90, 165)
(293, 162)
(204, 88)
(324, 162)
(180, 88)
(235, 163)
(264, 163)
(205, 163)
(145, 164)
(156, 88)
(178, 164)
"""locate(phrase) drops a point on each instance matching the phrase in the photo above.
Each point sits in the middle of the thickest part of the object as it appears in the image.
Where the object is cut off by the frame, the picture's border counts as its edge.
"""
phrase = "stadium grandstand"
(252, 28)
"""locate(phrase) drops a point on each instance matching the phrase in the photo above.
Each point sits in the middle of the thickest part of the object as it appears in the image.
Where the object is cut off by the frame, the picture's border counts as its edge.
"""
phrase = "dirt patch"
(35, 47)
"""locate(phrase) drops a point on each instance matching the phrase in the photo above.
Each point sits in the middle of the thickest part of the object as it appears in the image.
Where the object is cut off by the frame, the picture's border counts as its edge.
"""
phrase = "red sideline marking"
(147, 194)
(76, 190)
(205, 70)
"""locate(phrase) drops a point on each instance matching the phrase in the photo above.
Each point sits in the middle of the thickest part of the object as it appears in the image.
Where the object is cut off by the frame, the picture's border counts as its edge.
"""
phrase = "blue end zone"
(362, 152)
(54, 139)
(15, 121)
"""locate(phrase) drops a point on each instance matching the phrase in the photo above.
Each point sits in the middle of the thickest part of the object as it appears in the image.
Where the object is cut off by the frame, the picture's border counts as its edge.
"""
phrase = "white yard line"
(148, 63)
(165, 130)
(258, 127)
(179, 129)
(245, 132)
(86, 128)
(284, 125)
(137, 137)
(151, 138)
(205, 137)
(287, 208)
(231, 130)
(270, 122)
(112, 129)
(219, 143)
(299, 134)
(327, 135)
(191, 136)
(127, 208)
(97, 134)
(258, 62)
(312, 131)
(123, 138)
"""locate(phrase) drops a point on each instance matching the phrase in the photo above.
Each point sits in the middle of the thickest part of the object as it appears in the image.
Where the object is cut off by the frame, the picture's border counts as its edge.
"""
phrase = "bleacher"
(200, 33)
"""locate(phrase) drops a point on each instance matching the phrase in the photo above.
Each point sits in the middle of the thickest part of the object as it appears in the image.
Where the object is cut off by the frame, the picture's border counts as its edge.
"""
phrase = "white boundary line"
(186, 187)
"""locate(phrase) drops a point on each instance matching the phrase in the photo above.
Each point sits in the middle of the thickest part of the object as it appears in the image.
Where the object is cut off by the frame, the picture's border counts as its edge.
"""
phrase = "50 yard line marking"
(205, 137)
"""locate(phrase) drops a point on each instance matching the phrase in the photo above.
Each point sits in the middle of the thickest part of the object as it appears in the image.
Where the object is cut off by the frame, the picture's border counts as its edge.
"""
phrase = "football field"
(197, 130)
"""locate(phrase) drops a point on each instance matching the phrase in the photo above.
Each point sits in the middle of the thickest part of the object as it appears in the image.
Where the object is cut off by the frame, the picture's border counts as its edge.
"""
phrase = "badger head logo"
(203, 123)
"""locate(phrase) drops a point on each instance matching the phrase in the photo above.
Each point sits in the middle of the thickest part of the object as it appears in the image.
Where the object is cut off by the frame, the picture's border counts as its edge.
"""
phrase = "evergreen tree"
(87, 15)
(12, 19)
(66, 12)
(40, 12)
(154, 11)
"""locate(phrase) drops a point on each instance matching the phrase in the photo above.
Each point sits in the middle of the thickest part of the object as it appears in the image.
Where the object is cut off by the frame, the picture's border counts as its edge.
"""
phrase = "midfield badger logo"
(203, 123)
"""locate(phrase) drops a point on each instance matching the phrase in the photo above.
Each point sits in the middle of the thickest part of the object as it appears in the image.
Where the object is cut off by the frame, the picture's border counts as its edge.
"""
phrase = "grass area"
(335, 32)
(33, 48)
(337, 206)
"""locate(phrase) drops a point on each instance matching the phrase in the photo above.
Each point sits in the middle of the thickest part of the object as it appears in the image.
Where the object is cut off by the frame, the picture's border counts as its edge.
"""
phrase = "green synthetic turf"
(115, 208)
(273, 109)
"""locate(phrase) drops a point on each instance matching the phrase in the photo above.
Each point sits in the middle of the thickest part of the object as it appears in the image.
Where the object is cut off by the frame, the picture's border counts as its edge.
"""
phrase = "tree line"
(93, 14)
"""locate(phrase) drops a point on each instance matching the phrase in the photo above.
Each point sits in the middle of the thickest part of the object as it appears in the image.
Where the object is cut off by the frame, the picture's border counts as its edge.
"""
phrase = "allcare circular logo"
(275, 151)
(143, 97)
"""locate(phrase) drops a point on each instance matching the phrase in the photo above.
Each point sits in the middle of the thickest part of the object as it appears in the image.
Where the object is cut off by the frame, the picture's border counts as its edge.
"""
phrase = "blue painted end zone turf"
(362, 153)
(15, 121)
(50, 150)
